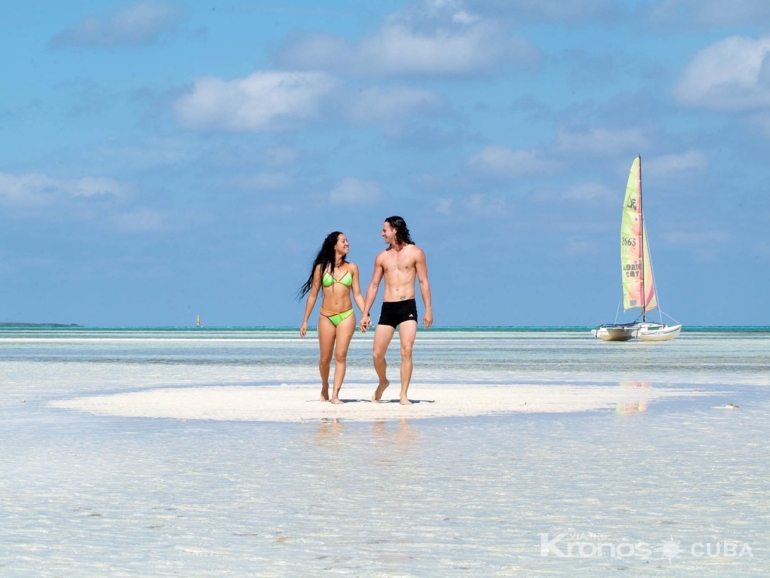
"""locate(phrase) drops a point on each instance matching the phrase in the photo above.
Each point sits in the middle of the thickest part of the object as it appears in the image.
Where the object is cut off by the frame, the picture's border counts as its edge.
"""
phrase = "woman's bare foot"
(379, 391)
(324, 393)
(405, 400)
(336, 400)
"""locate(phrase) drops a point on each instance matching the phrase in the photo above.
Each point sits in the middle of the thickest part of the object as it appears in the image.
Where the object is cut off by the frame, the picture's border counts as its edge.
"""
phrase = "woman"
(335, 277)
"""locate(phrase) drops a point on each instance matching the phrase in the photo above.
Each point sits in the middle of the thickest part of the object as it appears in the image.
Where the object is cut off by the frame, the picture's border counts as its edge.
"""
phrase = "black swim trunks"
(395, 312)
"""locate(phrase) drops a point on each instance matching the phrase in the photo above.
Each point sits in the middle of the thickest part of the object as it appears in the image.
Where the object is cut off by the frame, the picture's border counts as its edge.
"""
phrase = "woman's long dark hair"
(402, 231)
(325, 258)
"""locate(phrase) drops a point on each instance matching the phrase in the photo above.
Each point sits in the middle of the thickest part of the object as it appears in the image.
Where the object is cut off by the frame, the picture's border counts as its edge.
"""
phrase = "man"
(398, 264)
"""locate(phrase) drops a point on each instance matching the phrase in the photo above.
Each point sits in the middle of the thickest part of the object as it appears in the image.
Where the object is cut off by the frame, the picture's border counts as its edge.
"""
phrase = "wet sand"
(301, 403)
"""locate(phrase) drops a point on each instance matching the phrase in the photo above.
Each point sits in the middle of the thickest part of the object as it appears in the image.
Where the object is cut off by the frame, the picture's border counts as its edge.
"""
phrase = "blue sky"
(164, 159)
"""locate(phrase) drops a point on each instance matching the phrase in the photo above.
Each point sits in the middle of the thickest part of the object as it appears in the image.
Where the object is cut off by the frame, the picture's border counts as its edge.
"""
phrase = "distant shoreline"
(12, 324)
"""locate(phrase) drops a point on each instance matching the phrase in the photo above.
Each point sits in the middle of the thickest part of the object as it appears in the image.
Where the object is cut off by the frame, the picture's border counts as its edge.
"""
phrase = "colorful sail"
(634, 252)
(651, 301)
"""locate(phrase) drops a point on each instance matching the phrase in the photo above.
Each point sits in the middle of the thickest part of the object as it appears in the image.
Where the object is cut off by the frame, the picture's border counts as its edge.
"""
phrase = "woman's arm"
(357, 296)
(371, 293)
(312, 296)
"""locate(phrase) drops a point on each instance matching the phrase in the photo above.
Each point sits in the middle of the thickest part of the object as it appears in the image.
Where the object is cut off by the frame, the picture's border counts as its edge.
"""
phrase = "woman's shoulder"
(352, 266)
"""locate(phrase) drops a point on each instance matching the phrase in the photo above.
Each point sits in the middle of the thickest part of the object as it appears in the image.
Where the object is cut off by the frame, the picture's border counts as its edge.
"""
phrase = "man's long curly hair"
(402, 231)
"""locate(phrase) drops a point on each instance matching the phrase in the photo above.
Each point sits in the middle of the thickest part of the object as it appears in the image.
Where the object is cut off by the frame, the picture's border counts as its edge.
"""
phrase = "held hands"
(303, 329)
(427, 319)
(366, 321)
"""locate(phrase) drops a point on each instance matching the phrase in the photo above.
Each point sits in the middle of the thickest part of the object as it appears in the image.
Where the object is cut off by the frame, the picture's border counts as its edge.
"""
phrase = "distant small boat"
(636, 269)
(198, 323)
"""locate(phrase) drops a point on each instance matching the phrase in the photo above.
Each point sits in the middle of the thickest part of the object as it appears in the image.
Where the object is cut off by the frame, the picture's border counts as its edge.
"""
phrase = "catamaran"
(636, 269)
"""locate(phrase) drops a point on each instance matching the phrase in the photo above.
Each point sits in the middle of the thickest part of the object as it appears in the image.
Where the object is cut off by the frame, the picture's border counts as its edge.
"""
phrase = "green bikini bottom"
(336, 318)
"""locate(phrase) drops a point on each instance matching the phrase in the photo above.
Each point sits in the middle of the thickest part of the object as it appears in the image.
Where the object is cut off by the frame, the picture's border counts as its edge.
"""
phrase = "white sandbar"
(300, 403)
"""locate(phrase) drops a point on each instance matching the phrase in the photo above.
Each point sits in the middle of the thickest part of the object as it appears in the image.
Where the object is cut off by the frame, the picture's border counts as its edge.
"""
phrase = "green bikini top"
(347, 279)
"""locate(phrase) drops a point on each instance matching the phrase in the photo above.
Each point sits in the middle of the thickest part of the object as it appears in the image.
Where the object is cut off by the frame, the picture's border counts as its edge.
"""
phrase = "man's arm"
(371, 294)
(421, 267)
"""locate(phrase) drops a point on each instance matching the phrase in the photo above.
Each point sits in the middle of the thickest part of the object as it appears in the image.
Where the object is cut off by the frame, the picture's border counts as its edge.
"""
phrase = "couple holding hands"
(335, 278)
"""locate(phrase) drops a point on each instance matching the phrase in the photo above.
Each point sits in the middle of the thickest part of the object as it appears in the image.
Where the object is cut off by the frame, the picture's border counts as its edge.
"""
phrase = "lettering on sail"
(633, 270)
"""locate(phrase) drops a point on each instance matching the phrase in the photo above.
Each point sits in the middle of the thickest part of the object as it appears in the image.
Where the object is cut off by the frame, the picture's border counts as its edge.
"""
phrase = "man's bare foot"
(325, 393)
(336, 400)
(405, 400)
(379, 391)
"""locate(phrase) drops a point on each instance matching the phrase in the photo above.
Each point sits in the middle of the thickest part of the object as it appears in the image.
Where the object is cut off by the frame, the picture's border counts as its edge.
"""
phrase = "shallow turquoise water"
(100, 496)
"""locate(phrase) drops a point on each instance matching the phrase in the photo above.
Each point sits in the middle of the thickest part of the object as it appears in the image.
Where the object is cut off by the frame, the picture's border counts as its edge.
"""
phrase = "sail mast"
(641, 233)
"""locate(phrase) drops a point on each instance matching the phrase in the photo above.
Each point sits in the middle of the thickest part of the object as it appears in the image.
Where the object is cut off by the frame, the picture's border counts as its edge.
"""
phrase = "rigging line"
(652, 274)
(655, 288)
(617, 311)
(671, 318)
(643, 236)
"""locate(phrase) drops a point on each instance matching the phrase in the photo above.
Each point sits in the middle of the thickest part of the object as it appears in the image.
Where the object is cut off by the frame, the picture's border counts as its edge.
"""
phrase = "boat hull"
(615, 332)
(643, 331)
(656, 332)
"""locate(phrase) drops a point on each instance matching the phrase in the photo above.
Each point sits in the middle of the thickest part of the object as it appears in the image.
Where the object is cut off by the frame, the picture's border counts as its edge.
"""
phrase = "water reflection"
(329, 432)
(630, 408)
(400, 437)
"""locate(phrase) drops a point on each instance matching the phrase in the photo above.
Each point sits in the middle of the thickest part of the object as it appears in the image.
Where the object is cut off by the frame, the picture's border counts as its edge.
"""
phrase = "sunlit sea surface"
(668, 488)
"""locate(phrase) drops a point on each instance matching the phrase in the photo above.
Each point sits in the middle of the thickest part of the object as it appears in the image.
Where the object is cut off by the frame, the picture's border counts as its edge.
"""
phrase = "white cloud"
(90, 187)
(676, 164)
(589, 192)
(134, 24)
(140, 220)
(704, 246)
(463, 17)
(732, 74)
(761, 249)
(150, 154)
(264, 181)
(579, 193)
(315, 51)
(36, 190)
(444, 207)
(279, 156)
(580, 245)
(352, 191)
(679, 14)
(431, 38)
(550, 10)
(760, 122)
(480, 47)
(261, 101)
(503, 162)
(487, 206)
(599, 141)
(390, 104)
(688, 239)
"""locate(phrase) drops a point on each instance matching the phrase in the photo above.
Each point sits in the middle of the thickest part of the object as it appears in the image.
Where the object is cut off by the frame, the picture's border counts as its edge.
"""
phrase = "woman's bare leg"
(345, 331)
(326, 335)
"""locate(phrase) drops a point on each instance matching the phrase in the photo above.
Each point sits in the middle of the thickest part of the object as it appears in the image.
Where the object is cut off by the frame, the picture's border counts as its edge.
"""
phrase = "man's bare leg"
(407, 331)
(326, 336)
(382, 336)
